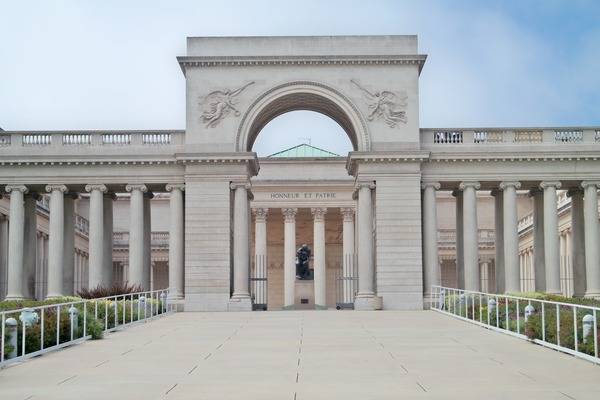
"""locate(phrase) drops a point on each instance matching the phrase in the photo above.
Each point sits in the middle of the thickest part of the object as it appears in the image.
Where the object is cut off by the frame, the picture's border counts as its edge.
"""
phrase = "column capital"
(548, 184)
(289, 214)
(175, 186)
(469, 184)
(318, 213)
(56, 187)
(585, 184)
(260, 214)
(364, 184)
(16, 188)
(136, 186)
(435, 185)
(504, 184)
(347, 213)
(236, 185)
(96, 186)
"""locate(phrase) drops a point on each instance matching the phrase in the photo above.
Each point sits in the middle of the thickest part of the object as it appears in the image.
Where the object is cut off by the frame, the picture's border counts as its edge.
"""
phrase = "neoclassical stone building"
(199, 212)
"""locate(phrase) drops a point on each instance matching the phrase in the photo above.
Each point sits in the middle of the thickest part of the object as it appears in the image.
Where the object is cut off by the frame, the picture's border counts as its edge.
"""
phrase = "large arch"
(302, 95)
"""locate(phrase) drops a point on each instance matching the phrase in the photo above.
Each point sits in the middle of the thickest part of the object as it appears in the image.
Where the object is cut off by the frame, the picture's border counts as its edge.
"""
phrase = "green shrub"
(8, 305)
(116, 289)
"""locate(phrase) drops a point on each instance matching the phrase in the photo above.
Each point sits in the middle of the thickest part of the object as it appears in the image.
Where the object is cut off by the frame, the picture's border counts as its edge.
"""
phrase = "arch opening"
(302, 96)
(295, 128)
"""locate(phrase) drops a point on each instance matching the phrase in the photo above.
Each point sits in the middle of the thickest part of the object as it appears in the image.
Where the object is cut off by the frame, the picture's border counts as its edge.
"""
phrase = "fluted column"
(471, 236)
(431, 265)
(539, 252)
(136, 235)
(320, 266)
(460, 256)
(365, 298)
(29, 245)
(69, 244)
(512, 270)
(15, 288)
(260, 254)
(56, 240)
(176, 241)
(3, 254)
(485, 278)
(348, 264)
(107, 246)
(551, 245)
(147, 276)
(499, 272)
(241, 252)
(577, 241)
(592, 238)
(96, 235)
(289, 257)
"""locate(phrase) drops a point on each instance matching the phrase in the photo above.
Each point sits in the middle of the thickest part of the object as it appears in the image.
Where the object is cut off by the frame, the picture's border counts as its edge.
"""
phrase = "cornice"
(213, 61)
(384, 157)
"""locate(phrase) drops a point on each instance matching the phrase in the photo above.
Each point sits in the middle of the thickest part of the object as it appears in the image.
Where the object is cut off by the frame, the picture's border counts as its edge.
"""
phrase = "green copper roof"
(303, 150)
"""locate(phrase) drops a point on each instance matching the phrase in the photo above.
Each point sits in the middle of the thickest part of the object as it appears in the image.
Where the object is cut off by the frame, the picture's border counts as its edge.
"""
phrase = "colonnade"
(241, 292)
(582, 247)
(63, 268)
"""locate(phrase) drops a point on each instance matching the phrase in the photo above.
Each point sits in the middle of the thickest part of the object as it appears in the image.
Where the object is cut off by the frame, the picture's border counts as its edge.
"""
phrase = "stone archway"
(302, 95)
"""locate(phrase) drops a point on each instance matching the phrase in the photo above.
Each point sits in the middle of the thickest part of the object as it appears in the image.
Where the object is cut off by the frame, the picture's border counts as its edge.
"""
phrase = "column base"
(368, 302)
(176, 304)
(239, 304)
(12, 297)
(592, 295)
(430, 300)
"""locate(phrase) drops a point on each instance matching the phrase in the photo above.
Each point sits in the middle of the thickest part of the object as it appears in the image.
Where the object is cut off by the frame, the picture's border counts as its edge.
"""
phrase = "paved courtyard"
(303, 355)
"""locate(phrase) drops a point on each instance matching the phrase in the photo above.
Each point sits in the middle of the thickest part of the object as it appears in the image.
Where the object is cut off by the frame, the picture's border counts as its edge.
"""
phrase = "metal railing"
(566, 327)
(29, 332)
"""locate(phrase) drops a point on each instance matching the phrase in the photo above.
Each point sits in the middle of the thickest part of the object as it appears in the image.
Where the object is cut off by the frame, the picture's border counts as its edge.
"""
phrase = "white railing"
(37, 139)
(29, 332)
(570, 328)
(76, 138)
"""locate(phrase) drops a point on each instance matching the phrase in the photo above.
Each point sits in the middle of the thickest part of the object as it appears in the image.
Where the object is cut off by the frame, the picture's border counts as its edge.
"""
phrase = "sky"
(111, 64)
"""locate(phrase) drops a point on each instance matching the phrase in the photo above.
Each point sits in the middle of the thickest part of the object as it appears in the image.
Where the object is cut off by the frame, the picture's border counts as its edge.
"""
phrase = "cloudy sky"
(111, 64)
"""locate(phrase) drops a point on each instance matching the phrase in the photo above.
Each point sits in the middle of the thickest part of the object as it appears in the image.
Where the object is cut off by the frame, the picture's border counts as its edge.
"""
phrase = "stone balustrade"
(510, 136)
(14, 139)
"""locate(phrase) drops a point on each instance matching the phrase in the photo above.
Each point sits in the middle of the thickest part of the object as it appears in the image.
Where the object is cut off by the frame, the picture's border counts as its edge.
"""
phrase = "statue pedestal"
(304, 295)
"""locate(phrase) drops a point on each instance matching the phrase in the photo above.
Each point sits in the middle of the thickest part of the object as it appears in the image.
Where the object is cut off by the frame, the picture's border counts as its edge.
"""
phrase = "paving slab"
(300, 355)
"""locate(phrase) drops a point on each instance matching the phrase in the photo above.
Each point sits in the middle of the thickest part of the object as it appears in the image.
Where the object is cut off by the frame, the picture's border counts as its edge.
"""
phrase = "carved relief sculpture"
(385, 104)
(218, 104)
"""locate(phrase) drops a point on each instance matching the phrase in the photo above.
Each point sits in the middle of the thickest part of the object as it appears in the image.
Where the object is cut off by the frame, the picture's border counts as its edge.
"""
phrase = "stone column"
(365, 298)
(69, 245)
(348, 264)
(320, 265)
(539, 252)
(460, 257)
(56, 240)
(15, 288)
(431, 265)
(107, 245)
(471, 235)
(136, 235)
(240, 300)
(3, 255)
(577, 241)
(260, 254)
(512, 280)
(499, 272)
(485, 278)
(96, 235)
(147, 259)
(176, 241)
(30, 245)
(592, 238)
(289, 257)
(551, 249)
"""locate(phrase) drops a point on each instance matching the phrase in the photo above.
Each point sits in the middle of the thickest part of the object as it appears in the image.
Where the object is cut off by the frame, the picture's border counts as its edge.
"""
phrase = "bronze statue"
(302, 259)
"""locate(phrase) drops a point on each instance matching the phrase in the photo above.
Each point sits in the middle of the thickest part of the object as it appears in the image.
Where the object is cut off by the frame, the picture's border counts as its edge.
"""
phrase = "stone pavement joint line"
(303, 355)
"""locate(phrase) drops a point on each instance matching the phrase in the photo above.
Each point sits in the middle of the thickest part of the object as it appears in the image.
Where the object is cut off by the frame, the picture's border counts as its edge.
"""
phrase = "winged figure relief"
(384, 104)
(218, 104)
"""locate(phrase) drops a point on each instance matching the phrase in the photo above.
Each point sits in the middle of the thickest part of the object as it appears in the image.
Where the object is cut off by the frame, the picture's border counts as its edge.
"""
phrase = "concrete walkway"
(303, 355)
